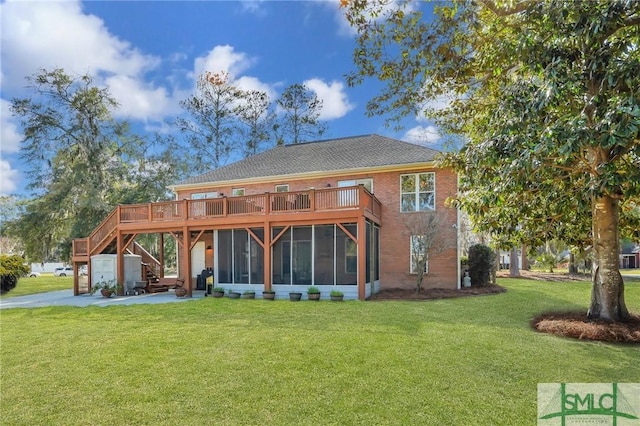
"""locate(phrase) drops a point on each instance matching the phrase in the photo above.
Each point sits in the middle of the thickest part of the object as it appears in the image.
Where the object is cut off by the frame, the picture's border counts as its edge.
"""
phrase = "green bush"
(481, 260)
(547, 261)
(11, 268)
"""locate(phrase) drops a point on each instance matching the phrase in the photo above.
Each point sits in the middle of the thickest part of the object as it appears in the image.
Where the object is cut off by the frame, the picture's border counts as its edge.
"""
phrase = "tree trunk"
(514, 271)
(573, 268)
(525, 258)
(496, 267)
(607, 293)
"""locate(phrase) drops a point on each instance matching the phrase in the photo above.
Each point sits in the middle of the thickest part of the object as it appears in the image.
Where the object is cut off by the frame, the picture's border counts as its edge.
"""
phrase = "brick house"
(331, 213)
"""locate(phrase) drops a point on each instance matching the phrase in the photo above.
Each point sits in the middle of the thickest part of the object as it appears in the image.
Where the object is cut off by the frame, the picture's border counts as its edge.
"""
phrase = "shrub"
(547, 261)
(11, 268)
(481, 260)
(313, 290)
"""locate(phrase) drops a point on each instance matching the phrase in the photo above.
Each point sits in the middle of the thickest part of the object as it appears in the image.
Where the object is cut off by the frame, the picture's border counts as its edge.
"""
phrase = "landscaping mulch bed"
(577, 325)
(434, 293)
(547, 276)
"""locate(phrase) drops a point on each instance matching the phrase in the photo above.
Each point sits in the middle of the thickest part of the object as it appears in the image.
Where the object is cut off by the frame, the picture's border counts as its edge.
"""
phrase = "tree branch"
(520, 7)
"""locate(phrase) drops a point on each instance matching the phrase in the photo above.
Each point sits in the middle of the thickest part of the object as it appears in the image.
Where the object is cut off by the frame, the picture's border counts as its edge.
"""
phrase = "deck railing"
(312, 200)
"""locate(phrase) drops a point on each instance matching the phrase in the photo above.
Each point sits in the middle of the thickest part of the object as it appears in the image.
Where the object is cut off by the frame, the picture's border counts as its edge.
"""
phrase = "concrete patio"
(66, 298)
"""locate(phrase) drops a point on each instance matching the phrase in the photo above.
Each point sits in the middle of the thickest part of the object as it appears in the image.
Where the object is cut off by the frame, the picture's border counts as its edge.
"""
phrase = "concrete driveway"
(66, 298)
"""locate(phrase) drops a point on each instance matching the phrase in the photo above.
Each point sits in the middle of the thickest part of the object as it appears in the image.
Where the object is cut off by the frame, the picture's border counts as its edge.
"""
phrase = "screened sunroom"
(323, 255)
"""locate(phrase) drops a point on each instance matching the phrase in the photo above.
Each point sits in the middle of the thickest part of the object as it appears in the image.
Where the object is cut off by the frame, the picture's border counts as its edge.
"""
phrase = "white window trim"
(412, 266)
(284, 185)
(235, 192)
(416, 193)
(356, 182)
(203, 195)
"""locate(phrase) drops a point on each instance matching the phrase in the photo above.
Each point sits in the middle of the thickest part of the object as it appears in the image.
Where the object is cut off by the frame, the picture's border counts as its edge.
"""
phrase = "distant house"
(629, 256)
(329, 213)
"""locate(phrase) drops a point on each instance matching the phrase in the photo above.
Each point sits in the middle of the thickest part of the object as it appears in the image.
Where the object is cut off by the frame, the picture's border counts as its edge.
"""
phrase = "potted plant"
(313, 293)
(249, 294)
(217, 292)
(106, 288)
(180, 291)
(269, 295)
(233, 294)
(295, 296)
(336, 295)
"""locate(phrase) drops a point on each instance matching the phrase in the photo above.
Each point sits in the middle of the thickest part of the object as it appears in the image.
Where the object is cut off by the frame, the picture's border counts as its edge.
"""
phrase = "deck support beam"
(185, 270)
(362, 261)
(120, 262)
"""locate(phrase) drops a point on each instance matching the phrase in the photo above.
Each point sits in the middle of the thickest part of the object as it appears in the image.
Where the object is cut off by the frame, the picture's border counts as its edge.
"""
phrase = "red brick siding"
(394, 235)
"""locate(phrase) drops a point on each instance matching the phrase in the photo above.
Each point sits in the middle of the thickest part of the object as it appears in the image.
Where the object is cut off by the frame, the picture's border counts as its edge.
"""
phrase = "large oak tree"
(81, 162)
(547, 96)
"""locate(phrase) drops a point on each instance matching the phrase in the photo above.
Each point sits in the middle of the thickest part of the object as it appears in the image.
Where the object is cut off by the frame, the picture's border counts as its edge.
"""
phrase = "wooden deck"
(290, 207)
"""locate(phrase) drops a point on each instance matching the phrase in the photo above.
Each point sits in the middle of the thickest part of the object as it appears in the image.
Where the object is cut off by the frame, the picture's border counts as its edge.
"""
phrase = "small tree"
(11, 268)
(426, 239)
(548, 261)
(257, 120)
(301, 119)
(212, 128)
(481, 259)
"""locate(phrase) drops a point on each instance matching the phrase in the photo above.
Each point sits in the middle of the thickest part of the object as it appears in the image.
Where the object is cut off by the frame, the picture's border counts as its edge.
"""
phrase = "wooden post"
(120, 262)
(75, 279)
(185, 270)
(161, 255)
(267, 255)
(362, 254)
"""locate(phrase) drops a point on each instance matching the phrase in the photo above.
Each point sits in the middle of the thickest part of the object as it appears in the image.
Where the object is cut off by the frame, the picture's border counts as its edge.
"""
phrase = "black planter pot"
(233, 295)
(313, 296)
(269, 295)
(295, 297)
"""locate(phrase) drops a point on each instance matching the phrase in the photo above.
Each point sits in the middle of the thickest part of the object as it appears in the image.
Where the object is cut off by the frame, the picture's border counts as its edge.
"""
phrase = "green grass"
(41, 284)
(248, 362)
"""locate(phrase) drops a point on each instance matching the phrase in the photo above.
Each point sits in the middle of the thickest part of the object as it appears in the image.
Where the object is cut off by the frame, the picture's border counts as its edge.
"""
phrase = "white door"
(103, 269)
(197, 259)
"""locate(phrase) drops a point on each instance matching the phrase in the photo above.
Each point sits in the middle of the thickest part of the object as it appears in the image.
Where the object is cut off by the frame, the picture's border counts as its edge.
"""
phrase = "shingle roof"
(329, 155)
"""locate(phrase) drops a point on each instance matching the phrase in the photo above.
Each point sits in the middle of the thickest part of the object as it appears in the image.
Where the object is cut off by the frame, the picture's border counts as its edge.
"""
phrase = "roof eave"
(307, 175)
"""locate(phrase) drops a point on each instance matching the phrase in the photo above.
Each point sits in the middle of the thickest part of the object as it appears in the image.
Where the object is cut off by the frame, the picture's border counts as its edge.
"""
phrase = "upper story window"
(418, 192)
(368, 183)
(201, 195)
(282, 188)
(237, 192)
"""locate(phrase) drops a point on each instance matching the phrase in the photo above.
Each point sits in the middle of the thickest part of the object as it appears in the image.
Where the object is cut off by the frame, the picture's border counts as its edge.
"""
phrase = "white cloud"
(8, 178)
(335, 103)
(385, 9)
(254, 7)
(427, 135)
(138, 100)
(39, 35)
(47, 35)
(9, 136)
(437, 104)
(222, 58)
(253, 83)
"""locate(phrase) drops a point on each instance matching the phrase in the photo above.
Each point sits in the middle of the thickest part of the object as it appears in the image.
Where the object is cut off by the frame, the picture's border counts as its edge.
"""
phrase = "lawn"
(247, 362)
(44, 283)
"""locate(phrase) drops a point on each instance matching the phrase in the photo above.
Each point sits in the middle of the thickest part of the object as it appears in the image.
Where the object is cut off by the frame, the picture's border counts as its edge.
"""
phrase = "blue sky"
(149, 54)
